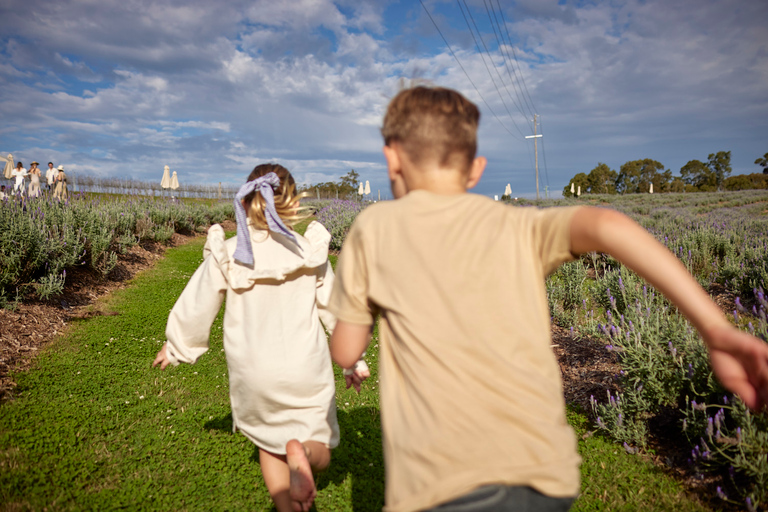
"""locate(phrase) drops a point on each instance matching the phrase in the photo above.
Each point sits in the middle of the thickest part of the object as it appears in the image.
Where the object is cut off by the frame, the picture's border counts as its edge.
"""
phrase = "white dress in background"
(281, 382)
(19, 174)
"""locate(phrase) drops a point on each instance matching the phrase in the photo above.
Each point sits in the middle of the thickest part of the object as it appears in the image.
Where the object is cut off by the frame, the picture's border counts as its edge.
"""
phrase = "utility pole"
(536, 151)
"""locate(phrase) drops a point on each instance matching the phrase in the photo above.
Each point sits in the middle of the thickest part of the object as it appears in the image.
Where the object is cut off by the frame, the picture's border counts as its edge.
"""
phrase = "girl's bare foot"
(303, 490)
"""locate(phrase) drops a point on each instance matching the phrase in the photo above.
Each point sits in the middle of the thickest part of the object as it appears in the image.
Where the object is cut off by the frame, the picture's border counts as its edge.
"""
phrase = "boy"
(472, 408)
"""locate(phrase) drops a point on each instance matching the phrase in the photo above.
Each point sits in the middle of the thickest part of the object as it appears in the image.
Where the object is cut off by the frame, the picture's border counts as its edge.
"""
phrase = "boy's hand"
(356, 375)
(740, 362)
(162, 358)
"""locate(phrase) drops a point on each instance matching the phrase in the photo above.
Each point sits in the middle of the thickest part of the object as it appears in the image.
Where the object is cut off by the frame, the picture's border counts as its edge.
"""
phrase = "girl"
(277, 284)
(34, 181)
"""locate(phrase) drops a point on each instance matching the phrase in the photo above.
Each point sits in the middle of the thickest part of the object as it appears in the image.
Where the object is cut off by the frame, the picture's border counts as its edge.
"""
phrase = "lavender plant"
(40, 239)
(337, 217)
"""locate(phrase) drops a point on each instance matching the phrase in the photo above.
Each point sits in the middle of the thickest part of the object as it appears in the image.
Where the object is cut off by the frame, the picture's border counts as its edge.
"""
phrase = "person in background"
(472, 407)
(34, 180)
(3, 194)
(60, 192)
(18, 174)
(50, 176)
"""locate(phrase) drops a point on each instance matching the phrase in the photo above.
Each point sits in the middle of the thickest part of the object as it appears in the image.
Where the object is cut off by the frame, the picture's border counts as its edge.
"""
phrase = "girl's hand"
(162, 358)
(356, 375)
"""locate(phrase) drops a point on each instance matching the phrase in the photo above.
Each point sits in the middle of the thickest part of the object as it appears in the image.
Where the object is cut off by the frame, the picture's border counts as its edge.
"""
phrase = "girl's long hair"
(286, 198)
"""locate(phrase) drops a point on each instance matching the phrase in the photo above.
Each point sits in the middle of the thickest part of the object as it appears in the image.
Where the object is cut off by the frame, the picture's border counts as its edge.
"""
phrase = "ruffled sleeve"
(215, 244)
(318, 238)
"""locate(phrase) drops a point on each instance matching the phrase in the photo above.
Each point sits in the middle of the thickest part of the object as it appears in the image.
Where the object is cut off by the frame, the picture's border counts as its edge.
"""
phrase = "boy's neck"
(406, 176)
(437, 181)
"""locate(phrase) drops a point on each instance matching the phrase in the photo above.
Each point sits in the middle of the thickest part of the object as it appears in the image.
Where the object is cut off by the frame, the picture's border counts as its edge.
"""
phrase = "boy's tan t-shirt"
(471, 392)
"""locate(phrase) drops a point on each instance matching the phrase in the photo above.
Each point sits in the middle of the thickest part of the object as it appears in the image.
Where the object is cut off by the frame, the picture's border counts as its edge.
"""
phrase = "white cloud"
(214, 88)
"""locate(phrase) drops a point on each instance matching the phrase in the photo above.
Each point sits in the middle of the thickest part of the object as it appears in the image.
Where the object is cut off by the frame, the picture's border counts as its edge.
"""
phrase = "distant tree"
(580, 180)
(602, 180)
(636, 176)
(345, 188)
(699, 176)
(662, 182)
(348, 184)
(746, 182)
(677, 184)
(720, 165)
(763, 162)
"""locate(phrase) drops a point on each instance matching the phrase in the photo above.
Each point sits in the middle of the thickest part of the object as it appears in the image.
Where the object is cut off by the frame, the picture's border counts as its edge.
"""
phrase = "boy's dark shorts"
(504, 498)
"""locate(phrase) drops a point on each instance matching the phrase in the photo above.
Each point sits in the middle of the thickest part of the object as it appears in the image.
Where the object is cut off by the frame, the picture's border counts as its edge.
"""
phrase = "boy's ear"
(476, 171)
(394, 166)
(395, 172)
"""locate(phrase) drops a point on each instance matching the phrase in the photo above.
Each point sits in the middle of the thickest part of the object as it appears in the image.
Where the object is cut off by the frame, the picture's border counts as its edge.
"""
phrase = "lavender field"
(40, 238)
(722, 238)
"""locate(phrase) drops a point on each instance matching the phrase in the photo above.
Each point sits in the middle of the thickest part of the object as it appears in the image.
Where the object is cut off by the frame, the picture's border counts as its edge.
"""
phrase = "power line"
(505, 58)
(465, 72)
(489, 57)
(514, 55)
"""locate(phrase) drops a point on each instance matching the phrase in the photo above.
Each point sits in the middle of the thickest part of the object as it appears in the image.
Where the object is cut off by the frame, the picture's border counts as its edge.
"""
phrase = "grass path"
(96, 428)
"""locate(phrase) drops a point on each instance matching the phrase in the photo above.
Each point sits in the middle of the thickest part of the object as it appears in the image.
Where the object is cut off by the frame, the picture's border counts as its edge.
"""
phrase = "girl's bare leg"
(277, 477)
(303, 459)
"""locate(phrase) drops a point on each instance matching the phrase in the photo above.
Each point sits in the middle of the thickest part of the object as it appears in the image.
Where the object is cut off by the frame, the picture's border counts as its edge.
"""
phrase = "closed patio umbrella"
(361, 190)
(166, 181)
(367, 187)
(174, 181)
(8, 166)
(508, 190)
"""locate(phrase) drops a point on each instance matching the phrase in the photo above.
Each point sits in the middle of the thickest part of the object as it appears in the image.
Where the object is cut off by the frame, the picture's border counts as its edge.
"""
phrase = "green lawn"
(95, 427)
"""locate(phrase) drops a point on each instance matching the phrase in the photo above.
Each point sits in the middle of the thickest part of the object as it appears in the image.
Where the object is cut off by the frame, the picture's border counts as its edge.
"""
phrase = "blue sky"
(122, 88)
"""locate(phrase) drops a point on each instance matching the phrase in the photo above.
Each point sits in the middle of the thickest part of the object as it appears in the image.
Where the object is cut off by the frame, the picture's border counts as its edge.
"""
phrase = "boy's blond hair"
(433, 124)
(286, 198)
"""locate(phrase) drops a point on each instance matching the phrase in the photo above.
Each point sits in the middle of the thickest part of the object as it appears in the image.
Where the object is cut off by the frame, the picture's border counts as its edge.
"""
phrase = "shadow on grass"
(224, 423)
(358, 457)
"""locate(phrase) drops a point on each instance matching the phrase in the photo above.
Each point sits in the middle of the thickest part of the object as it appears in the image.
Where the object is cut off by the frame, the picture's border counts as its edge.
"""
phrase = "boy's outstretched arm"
(348, 343)
(739, 360)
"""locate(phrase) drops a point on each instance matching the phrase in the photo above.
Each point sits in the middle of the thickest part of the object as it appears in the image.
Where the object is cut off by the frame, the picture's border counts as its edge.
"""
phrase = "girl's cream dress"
(280, 374)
